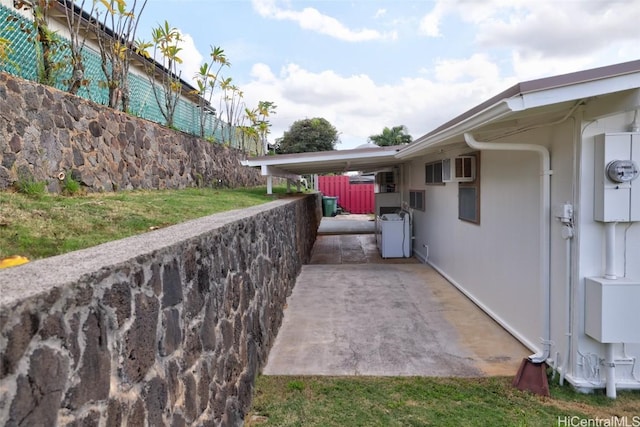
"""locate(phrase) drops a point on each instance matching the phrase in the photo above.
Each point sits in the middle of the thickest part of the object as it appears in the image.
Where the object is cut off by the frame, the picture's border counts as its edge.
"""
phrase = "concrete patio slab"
(393, 317)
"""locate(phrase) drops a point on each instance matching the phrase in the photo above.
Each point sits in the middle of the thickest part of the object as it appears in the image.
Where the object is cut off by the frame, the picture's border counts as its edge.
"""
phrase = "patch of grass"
(49, 225)
(29, 186)
(70, 186)
(296, 385)
(420, 401)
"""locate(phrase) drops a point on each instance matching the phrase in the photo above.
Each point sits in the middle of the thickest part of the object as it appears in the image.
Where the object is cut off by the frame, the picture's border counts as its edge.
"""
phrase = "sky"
(368, 64)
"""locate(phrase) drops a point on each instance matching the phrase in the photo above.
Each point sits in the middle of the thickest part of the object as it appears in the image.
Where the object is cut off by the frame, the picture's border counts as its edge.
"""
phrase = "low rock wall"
(165, 328)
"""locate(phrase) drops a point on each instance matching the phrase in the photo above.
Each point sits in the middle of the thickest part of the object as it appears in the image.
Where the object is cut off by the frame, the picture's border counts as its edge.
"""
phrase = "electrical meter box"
(617, 187)
(611, 310)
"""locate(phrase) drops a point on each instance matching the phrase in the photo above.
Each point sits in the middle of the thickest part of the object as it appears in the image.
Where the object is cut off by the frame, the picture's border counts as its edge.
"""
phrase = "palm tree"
(207, 79)
(397, 135)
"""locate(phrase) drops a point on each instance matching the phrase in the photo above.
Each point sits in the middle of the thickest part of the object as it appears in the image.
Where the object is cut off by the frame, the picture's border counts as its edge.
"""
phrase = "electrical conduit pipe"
(545, 229)
(610, 273)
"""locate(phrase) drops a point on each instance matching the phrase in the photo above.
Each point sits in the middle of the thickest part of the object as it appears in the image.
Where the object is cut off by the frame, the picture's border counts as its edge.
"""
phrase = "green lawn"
(376, 401)
(47, 225)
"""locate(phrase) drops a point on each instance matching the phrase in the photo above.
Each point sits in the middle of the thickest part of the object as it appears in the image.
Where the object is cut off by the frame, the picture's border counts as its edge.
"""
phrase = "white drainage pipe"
(610, 368)
(610, 251)
(545, 229)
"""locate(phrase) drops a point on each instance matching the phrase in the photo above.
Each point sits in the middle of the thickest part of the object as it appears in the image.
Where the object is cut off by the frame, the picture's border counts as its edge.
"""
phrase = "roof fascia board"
(494, 112)
(582, 90)
(334, 156)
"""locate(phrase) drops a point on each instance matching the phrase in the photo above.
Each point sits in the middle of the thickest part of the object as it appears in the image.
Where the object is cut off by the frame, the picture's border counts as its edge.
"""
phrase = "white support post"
(269, 184)
(288, 186)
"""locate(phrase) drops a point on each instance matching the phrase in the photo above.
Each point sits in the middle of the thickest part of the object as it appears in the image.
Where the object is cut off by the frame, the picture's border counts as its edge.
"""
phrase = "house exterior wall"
(499, 272)
(497, 262)
(591, 261)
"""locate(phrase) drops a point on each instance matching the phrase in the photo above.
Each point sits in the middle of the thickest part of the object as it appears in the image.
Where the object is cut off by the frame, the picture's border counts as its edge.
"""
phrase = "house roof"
(521, 106)
(541, 100)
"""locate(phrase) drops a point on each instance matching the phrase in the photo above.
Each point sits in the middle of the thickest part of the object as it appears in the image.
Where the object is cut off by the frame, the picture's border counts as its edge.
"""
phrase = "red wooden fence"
(353, 198)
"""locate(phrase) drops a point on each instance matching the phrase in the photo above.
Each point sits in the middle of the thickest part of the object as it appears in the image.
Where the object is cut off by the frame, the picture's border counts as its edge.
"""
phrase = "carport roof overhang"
(293, 165)
(526, 105)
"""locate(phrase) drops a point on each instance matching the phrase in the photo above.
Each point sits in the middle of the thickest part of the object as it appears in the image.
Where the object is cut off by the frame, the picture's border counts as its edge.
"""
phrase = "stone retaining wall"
(166, 328)
(44, 131)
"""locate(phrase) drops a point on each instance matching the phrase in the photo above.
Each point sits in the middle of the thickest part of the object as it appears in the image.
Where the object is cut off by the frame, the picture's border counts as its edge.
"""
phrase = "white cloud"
(191, 58)
(430, 23)
(545, 38)
(478, 67)
(312, 19)
(562, 29)
(380, 13)
(262, 73)
(359, 107)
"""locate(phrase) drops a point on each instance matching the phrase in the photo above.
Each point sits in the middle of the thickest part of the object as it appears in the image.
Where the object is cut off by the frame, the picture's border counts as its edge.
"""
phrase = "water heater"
(617, 189)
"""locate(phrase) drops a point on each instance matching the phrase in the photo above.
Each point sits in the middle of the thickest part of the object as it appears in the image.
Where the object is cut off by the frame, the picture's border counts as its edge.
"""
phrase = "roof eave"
(523, 97)
(492, 113)
(315, 157)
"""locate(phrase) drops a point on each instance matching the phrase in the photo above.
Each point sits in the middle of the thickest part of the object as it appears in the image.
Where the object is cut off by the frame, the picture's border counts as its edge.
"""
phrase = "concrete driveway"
(353, 313)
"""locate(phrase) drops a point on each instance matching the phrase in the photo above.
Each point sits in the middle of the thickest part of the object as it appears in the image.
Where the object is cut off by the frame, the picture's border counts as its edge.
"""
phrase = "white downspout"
(567, 235)
(610, 369)
(610, 251)
(545, 229)
(610, 273)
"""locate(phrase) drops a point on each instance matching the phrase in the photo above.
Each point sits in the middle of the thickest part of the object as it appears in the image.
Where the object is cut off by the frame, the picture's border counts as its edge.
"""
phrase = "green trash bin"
(329, 206)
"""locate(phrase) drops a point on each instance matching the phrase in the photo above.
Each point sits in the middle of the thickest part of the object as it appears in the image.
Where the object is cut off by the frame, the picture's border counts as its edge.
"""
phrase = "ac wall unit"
(459, 169)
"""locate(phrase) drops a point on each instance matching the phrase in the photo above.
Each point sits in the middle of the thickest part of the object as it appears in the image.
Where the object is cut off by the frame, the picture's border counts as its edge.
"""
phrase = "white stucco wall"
(497, 262)
(590, 242)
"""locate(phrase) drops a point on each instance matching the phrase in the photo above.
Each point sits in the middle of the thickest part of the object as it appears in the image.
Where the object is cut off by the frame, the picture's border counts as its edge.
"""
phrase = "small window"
(433, 173)
(467, 204)
(469, 195)
(416, 199)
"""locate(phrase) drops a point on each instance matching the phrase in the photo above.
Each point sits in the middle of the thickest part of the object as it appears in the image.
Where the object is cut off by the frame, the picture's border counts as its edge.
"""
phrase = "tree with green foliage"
(48, 44)
(260, 123)
(207, 79)
(231, 110)
(78, 28)
(166, 49)
(115, 45)
(5, 51)
(397, 135)
(308, 135)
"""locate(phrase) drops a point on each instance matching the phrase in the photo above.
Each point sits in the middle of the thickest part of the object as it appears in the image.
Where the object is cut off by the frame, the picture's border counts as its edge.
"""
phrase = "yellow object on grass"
(12, 261)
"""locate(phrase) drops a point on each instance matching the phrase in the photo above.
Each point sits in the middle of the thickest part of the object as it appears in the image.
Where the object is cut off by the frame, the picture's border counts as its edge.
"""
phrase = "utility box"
(617, 189)
(611, 310)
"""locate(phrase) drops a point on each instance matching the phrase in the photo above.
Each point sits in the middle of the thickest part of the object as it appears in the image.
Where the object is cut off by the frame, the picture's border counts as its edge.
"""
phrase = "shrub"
(70, 186)
(27, 184)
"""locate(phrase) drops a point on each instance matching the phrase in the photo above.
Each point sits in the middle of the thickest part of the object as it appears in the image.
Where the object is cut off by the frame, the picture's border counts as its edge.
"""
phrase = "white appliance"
(393, 235)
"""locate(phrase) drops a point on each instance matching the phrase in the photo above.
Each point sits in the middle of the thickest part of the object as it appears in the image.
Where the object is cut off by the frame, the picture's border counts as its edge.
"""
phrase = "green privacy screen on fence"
(23, 62)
